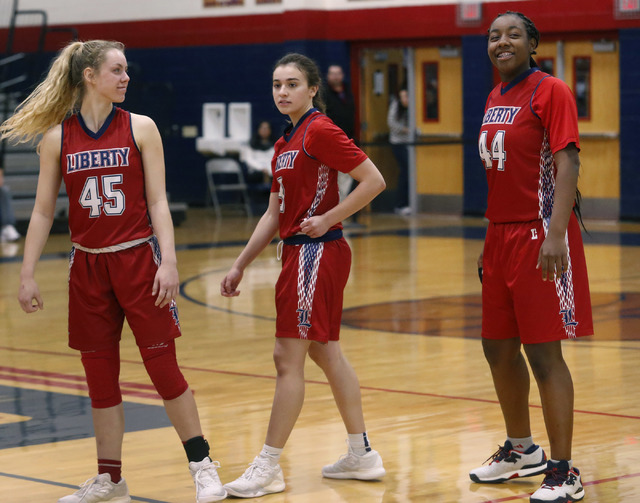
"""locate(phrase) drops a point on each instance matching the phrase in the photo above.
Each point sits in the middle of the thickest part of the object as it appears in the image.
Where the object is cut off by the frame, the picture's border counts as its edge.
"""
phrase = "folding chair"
(231, 179)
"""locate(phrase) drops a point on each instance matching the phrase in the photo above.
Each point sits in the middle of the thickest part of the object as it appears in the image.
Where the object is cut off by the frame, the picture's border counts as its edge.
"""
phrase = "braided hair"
(532, 31)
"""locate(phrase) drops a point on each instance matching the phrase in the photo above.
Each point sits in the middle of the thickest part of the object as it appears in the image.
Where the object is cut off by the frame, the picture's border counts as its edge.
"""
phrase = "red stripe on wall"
(402, 23)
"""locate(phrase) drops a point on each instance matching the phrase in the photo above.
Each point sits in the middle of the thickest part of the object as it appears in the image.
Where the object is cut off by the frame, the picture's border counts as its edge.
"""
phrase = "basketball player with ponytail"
(304, 207)
(122, 261)
(535, 290)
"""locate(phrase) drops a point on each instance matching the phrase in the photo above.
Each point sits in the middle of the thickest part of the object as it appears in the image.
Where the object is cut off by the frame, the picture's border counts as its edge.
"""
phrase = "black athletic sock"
(197, 448)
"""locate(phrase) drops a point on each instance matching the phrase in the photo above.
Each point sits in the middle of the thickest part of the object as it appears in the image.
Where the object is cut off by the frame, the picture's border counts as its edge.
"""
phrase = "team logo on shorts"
(303, 318)
(567, 318)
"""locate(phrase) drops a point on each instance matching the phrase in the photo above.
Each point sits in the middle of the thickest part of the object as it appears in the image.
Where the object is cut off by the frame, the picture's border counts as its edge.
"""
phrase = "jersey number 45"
(111, 202)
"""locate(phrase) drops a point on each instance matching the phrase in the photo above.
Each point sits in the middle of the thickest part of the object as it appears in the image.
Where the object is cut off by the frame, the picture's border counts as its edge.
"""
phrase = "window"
(222, 3)
(546, 65)
(582, 85)
(431, 96)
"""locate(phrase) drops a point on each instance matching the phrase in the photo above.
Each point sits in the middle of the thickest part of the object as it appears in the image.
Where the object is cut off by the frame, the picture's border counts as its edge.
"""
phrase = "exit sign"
(470, 13)
(627, 8)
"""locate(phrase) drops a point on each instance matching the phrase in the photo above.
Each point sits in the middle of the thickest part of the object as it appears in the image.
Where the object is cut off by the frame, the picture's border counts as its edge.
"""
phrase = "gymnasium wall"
(73, 11)
(629, 124)
(228, 73)
(183, 54)
(477, 81)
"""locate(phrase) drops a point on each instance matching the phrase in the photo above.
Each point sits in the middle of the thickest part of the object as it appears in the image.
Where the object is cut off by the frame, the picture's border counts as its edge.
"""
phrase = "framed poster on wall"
(222, 3)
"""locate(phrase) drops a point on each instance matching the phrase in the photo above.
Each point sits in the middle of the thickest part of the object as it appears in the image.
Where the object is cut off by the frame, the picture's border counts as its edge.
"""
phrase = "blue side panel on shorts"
(43, 417)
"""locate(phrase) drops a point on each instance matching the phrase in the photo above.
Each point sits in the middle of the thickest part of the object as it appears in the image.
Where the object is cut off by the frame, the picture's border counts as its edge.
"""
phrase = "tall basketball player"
(535, 291)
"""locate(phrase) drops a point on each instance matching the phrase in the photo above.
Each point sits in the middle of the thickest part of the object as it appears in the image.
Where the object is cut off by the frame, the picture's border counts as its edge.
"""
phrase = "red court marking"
(611, 479)
(70, 377)
(47, 382)
(68, 381)
(399, 391)
(261, 376)
(585, 484)
(370, 388)
(39, 351)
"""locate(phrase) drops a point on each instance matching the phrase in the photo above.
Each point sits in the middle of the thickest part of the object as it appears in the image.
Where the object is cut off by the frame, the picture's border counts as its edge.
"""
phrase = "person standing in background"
(399, 137)
(341, 109)
(8, 231)
(259, 153)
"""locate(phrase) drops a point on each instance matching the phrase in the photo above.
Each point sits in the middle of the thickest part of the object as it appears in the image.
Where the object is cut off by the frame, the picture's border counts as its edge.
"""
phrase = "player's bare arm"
(553, 259)
(370, 184)
(166, 284)
(49, 180)
(260, 238)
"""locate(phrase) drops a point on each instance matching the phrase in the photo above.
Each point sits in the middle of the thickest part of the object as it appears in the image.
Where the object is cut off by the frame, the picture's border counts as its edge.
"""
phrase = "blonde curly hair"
(59, 94)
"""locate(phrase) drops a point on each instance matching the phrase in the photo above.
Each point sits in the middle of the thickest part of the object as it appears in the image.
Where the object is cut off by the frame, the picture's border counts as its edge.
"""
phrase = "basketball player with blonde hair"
(123, 260)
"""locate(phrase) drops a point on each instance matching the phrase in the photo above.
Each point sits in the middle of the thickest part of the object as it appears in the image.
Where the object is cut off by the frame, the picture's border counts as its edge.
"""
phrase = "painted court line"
(69, 486)
(48, 375)
(324, 383)
(70, 381)
(585, 484)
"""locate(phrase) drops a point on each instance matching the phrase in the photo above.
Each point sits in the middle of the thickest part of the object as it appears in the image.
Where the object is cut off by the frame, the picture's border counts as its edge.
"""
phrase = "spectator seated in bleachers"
(257, 156)
(256, 163)
(8, 232)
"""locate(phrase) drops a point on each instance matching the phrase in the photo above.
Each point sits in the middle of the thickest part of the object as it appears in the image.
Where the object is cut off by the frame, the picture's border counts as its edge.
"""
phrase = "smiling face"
(111, 78)
(291, 92)
(510, 47)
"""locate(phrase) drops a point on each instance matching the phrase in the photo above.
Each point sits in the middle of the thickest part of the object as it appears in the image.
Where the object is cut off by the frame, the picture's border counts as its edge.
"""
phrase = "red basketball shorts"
(515, 300)
(106, 288)
(310, 290)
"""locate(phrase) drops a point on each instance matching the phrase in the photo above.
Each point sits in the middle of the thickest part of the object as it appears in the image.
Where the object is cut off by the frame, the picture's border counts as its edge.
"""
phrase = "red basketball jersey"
(526, 121)
(305, 169)
(104, 178)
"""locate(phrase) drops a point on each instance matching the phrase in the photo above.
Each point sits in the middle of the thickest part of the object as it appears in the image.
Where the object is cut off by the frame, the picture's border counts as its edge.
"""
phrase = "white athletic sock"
(521, 444)
(272, 454)
(359, 443)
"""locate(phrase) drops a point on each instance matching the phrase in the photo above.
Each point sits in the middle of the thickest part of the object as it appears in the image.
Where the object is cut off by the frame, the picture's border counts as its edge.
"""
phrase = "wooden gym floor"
(411, 330)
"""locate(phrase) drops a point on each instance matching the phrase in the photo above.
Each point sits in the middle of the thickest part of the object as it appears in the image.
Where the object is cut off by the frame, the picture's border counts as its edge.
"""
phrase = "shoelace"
(499, 455)
(86, 486)
(260, 468)
(554, 478)
(206, 472)
(348, 459)
(502, 454)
